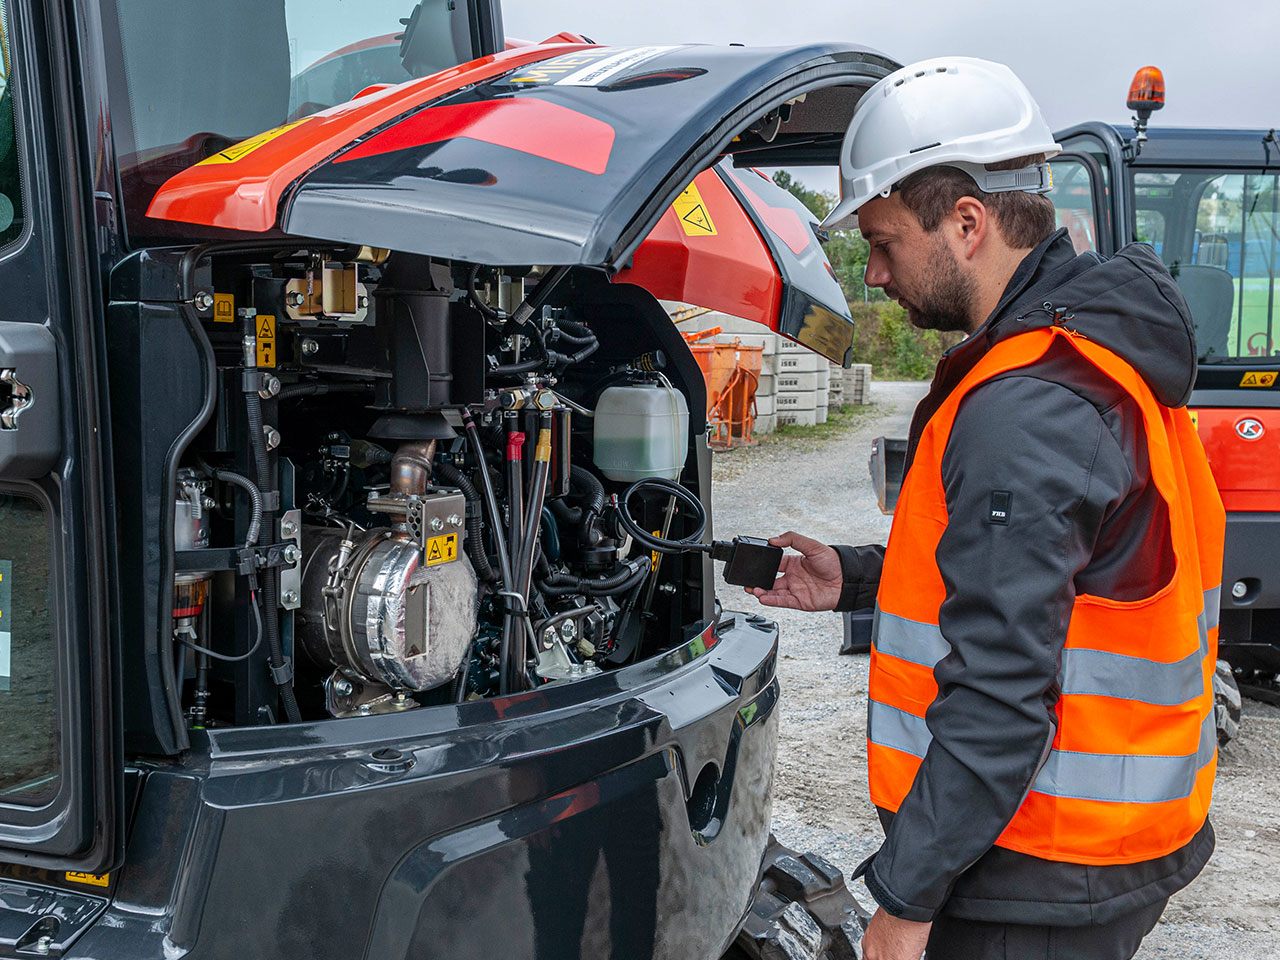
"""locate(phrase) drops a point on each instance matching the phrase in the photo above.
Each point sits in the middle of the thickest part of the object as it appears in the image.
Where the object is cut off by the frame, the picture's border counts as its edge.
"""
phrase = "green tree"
(846, 249)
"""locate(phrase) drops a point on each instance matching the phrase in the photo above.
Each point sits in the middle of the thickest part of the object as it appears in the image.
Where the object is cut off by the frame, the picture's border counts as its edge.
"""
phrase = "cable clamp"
(283, 674)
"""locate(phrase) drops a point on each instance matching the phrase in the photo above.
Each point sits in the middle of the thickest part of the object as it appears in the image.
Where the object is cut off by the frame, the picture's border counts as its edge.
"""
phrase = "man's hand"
(889, 938)
(811, 581)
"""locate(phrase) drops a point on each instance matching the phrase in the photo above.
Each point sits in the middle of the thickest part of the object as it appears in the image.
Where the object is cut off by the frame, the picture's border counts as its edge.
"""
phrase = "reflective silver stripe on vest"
(890, 727)
(1115, 778)
(1083, 672)
(1213, 606)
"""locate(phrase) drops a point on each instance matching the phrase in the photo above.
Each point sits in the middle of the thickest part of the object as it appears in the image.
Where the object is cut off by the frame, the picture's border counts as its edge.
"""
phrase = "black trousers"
(953, 939)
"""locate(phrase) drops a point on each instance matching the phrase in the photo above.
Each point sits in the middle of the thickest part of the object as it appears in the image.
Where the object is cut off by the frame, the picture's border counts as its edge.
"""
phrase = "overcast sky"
(1221, 58)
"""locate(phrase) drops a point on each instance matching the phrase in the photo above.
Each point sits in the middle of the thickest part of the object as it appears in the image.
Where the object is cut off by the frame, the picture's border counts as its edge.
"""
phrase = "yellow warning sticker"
(1259, 378)
(693, 213)
(442, 549)
(242, 149)
(266, 341)
(97, 880)
(224, 308)
(1195, 417)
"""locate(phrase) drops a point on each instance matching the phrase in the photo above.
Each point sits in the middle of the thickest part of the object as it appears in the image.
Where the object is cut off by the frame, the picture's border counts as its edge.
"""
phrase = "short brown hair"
(1023, 219)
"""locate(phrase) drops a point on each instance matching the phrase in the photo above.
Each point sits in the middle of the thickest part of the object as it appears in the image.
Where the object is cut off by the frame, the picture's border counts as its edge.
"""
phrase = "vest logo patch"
(1001, 500)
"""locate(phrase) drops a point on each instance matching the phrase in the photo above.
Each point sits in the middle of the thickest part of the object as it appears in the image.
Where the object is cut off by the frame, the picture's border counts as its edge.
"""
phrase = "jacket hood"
(1128, 303)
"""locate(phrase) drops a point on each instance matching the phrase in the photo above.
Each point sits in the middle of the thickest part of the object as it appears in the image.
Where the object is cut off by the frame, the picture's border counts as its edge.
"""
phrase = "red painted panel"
(783, 221)
(245, 194)
(730, 271)
(1247, 471)
(536, 127)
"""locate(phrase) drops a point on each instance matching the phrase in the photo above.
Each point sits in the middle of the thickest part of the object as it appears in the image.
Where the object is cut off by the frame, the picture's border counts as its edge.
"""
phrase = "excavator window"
(10, 179)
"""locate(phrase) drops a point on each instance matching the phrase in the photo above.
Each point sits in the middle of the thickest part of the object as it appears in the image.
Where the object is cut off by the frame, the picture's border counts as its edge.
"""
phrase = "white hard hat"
(957, 111)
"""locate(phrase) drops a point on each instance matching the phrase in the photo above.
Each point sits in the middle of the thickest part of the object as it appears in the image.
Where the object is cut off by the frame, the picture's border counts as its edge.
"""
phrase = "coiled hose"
(587, 485)
(454, 477)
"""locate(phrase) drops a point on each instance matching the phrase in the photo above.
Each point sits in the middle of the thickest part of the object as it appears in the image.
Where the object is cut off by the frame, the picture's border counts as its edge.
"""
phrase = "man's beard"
(947, 303)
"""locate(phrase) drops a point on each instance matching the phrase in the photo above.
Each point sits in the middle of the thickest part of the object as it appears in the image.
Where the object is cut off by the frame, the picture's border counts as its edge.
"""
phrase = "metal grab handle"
(20, 399)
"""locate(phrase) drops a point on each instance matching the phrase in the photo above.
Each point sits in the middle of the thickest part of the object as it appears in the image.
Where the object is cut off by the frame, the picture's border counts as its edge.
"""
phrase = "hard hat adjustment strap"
(1037, 178)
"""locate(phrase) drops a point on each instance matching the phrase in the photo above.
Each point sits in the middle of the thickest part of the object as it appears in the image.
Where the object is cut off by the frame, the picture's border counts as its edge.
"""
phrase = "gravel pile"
(820, 487)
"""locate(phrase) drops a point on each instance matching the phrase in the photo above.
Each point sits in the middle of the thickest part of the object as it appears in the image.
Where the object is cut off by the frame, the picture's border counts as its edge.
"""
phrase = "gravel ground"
(820, 487)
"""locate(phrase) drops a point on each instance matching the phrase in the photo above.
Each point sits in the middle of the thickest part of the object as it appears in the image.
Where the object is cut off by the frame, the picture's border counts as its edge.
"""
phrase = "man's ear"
(972, 222)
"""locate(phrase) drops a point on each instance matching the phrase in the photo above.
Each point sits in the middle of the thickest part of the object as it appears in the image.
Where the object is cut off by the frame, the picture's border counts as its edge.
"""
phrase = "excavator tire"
(803, 910)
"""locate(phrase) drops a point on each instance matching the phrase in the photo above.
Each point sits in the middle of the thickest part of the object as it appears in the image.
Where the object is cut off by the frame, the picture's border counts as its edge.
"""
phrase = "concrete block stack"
(857, 384)
(802, 394)
(835, 386)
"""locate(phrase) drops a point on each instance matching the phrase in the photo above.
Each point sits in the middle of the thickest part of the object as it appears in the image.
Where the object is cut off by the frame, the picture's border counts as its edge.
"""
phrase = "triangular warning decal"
(698, 217)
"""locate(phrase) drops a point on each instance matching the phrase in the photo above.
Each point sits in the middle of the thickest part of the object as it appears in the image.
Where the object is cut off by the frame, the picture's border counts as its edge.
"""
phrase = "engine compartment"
(425, 482)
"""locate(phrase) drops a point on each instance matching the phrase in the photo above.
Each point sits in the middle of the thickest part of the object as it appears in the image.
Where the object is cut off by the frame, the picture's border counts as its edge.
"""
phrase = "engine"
(428, 483)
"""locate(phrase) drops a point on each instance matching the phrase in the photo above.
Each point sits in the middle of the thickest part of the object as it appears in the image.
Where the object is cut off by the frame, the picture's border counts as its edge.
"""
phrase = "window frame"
(1101, 214)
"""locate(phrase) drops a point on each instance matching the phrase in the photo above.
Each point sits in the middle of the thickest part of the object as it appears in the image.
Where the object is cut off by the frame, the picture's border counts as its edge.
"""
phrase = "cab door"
(59, 769)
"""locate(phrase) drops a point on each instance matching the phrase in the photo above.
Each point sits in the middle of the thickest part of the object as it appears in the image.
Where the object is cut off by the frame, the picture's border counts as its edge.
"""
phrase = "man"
(1041, 742)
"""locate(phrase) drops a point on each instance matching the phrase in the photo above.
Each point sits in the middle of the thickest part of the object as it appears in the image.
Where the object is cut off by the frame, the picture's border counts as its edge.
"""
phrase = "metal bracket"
(291, 576)
(20, 399)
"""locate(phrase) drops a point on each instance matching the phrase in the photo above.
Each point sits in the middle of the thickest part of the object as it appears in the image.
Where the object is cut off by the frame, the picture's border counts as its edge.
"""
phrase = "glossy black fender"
(622, 816)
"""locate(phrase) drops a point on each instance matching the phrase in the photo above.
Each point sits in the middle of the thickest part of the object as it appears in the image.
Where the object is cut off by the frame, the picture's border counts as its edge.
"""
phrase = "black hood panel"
(570, 161)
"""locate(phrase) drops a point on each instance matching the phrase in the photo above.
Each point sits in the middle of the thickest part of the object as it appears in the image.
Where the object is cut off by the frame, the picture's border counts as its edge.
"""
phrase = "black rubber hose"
(623, 580)
(270, 578)
(517, 369)
(255, 499)
(454, 477)
(295, 390)
(590, 484)
(690, 543)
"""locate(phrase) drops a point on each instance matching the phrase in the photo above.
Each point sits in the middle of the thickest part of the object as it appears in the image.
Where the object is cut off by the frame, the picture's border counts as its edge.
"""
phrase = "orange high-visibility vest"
(1130, 773)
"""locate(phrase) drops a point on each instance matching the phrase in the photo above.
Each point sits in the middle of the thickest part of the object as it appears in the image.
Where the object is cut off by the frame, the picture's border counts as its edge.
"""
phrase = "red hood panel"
(249, 201)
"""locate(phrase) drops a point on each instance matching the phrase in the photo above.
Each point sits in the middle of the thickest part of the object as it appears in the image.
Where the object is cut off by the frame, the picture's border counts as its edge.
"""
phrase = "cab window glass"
(10, 184)
(1072, 197)
(1219, 234)
(191, 78)
(29, 767)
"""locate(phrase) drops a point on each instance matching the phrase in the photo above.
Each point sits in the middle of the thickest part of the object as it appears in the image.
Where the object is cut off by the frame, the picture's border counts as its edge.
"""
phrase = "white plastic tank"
(641, 430)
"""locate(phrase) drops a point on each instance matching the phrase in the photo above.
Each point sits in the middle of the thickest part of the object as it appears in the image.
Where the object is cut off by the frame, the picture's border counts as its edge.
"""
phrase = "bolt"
(548, 638)
(362, 301)
(246, 313)
(272, 435)
(294, 299)
(289, 598)
(204, 300)
(365, 710)
(454, 520)
(291, 554)
(401, 696)
(310, 347)
(667, 589)
(437, 523)
(43, 945)
(270, 386)
(1239, 589)
(569, 630)
(342, 687)
(288, 528)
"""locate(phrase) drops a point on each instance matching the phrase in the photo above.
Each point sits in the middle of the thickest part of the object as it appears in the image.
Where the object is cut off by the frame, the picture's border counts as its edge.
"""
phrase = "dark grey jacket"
(1069, 446)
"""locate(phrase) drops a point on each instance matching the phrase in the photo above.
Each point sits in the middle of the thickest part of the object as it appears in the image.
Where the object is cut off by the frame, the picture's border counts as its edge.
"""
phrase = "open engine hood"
(555, 154)
(567, 154)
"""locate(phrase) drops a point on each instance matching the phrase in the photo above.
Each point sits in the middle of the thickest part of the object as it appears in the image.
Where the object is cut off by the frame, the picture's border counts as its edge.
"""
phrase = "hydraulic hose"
(515, 518)
(454, 477)
(281, 672)
(626, 578)
(490, 498)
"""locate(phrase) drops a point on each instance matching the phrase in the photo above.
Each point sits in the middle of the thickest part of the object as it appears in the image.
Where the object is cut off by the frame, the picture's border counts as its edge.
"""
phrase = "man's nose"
(877, 273)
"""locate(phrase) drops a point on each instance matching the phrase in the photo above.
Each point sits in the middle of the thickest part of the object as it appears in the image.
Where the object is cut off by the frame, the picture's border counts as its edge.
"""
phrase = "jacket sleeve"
(1041, 455)
(860, 575)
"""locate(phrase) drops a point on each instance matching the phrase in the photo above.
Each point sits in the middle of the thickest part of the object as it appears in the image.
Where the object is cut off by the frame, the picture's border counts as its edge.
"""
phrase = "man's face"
(918, 269)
